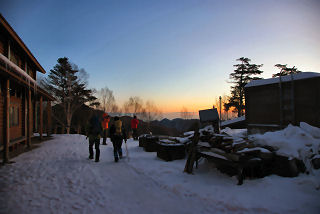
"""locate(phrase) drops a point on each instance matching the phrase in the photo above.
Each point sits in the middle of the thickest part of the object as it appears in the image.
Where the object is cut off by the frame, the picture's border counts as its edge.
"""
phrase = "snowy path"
(57, 178)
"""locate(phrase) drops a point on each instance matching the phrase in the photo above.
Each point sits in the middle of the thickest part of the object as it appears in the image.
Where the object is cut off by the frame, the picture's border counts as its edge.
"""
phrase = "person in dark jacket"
(94, 132)
(117, 134)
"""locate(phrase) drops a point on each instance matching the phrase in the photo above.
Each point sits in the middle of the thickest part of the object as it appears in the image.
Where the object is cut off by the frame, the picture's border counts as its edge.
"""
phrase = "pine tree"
(68, 85)
(284, 70)
(243, 74)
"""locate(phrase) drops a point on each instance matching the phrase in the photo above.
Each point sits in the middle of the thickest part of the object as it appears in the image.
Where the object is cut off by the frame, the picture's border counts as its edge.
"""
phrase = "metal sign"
(208, 115)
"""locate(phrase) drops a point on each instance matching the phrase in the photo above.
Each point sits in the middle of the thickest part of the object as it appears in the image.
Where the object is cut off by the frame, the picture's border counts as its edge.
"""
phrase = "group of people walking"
(98, 128)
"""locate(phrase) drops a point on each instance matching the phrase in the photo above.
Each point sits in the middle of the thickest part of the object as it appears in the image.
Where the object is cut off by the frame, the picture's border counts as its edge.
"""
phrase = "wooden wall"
(307, 101)
(263, 103)
(1, 113)
(3, 44)
(16, 131)
(17, 55)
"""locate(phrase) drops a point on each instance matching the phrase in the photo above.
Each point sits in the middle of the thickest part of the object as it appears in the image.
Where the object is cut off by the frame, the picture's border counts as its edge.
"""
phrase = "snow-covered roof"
(235, 120)
(287, 78)
(18, 69)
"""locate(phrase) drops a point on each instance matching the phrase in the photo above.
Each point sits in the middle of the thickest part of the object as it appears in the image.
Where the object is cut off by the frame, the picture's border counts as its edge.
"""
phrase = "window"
(30, 71)
(14, 115)
(14, 58)
(3, 42)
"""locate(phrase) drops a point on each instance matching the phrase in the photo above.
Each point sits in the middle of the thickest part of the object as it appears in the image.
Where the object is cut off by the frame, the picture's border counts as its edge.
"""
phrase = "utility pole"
(220, 112)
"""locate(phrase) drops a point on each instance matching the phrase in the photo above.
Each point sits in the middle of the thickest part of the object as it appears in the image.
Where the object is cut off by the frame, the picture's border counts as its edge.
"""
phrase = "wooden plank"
(15, 141)
(41, 118)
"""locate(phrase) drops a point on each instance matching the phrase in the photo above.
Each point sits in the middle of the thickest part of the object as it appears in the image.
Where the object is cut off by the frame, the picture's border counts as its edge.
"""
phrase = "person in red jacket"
(105, 126)
(134, 127)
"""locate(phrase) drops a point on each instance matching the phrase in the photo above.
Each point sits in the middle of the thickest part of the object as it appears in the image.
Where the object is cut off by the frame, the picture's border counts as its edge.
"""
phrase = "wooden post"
(7, 124)
(26, 115)
(41, 118)
(48, 118)
(29, 119)
(192, 156)
(220, 114)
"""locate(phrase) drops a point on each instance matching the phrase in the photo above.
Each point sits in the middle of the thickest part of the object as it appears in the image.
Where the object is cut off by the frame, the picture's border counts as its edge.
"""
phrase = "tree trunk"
(69, 117)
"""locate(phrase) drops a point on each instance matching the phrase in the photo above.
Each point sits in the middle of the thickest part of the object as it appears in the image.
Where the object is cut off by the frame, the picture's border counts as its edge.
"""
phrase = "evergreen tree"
(68, 85)
(284, 70)
(243, 74)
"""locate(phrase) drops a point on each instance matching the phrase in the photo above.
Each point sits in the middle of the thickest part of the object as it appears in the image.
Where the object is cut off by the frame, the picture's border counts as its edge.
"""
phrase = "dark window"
(14, 58)
(14, 115)
(3, 45)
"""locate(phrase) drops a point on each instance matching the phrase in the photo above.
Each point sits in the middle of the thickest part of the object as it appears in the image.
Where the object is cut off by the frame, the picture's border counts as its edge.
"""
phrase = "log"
(192, 156)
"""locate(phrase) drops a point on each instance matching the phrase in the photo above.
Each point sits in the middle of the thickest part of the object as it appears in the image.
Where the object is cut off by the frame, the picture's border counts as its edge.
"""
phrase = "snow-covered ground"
(58, 178)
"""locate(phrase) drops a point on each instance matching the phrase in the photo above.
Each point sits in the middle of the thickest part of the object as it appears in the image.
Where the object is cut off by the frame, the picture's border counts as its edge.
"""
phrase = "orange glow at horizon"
(191, 106)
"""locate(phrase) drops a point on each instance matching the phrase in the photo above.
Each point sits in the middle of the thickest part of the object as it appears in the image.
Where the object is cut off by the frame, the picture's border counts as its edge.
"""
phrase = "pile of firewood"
(245, 159)
(234, 156)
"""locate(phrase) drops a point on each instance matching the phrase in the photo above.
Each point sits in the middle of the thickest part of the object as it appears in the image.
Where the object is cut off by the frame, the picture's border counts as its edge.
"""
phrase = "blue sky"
(175, 53)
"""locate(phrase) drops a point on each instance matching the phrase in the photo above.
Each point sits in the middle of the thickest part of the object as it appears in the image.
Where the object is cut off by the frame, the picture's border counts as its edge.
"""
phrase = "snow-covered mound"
(300, 142)
(293, 141)
(235, 133)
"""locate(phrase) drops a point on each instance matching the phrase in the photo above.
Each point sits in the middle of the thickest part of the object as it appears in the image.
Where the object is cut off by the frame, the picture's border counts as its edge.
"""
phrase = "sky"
(174, 53)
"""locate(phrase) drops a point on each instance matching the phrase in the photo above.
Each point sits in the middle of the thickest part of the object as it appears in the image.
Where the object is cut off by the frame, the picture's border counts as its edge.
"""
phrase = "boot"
(120, 155)
(97, 155)
(90, 152)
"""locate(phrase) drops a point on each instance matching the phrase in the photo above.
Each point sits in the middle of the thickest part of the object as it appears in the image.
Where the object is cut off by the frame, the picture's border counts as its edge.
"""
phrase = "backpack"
(95, 126)
(118, 125)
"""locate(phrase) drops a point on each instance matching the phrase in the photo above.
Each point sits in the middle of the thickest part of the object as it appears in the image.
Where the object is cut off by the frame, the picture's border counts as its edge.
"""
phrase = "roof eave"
(14, 35)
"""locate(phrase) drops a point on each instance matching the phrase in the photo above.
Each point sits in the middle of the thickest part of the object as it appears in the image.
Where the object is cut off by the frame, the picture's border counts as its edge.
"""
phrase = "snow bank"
(254, 149)
(235, 133)
(314, 131)
(293, 142)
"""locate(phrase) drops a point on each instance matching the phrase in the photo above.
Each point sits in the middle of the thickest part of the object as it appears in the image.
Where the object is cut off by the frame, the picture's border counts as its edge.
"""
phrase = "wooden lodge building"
(273, 104)
(21, 100)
